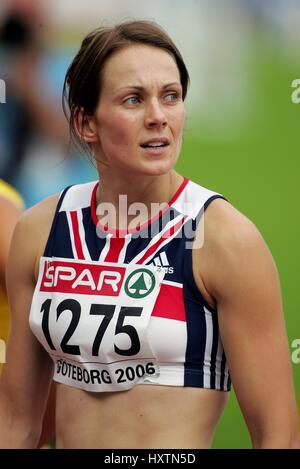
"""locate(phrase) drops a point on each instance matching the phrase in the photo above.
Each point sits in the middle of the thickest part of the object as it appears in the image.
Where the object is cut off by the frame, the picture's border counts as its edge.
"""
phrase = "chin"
(158, 167)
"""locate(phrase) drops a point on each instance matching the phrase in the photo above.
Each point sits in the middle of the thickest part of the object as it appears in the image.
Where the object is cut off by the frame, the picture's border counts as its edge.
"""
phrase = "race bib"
(92, 318)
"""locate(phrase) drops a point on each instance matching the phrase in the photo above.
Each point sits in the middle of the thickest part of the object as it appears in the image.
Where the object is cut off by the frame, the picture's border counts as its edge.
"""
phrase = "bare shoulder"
(226, 227)
(233, 247)
(42, 211)
(32, 231)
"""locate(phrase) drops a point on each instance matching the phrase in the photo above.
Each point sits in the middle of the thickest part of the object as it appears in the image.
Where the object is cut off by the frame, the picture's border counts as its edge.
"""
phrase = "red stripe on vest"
(165, 235)
(170, 304)
(115, 247)
(77, 240)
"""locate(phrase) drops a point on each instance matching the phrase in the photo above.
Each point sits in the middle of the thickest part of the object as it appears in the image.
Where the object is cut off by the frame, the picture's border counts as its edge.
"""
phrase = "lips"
(156, 142)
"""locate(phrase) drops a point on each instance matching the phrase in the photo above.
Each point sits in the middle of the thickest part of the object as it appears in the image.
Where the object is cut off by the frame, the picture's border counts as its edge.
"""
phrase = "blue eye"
(132, 100)
(171, 97)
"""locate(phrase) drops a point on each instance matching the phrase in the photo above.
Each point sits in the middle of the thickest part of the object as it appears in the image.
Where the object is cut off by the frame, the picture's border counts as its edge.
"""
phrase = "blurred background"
(242, 135)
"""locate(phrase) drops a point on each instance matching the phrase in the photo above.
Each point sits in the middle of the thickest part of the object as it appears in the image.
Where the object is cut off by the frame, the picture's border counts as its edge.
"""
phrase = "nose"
(155, 116)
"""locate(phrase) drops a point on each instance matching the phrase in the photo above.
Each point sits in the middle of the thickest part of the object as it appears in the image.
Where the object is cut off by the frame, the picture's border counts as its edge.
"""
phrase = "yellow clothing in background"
(9, 193)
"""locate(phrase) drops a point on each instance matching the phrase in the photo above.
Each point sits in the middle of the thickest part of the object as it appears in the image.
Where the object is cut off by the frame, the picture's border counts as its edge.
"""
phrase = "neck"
(131, 201)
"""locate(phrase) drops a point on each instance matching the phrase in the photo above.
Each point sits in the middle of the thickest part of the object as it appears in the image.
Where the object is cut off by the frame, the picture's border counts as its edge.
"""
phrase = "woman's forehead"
(135, 64)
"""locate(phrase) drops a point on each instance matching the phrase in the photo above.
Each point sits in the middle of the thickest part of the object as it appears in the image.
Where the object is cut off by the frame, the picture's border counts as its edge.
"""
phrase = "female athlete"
(143, 294)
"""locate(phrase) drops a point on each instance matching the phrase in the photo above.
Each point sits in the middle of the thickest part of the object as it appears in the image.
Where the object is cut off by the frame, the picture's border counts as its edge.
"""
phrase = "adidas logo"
(162, 261)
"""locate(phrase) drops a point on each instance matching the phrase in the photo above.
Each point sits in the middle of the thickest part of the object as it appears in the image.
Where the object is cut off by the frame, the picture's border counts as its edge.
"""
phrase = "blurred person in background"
(141, 333)
(34, 137)
(22, 52)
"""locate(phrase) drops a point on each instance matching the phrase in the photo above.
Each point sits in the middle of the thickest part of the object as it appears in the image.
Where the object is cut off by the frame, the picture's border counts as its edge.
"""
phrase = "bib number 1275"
(107, 312)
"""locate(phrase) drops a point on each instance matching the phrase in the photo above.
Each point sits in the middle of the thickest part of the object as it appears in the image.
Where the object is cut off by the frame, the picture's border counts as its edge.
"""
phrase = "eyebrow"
(141, 88)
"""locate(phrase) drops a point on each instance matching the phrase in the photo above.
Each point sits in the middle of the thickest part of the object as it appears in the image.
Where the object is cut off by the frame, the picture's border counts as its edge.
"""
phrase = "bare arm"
(240, 275)
(26, 376)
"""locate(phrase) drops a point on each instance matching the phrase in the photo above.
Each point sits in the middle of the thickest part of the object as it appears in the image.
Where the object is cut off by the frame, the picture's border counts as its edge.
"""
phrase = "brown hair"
(82, 85)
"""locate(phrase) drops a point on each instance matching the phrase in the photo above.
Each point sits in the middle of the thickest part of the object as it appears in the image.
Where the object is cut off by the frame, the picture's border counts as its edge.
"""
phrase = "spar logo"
(82, 278)
(139, 283)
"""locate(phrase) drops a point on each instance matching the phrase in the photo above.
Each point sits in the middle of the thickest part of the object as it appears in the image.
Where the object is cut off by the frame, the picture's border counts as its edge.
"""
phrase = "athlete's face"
(140, 115)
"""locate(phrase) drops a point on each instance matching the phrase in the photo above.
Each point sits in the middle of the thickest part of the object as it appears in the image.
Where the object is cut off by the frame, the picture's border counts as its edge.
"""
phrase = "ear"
(85, 126)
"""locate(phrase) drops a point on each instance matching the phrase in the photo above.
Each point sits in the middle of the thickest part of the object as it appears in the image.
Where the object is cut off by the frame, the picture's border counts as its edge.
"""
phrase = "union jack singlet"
(115, 309)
